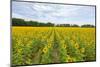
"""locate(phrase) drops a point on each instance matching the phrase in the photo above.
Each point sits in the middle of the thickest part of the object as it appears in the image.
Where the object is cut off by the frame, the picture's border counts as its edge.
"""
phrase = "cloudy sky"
(55, 13)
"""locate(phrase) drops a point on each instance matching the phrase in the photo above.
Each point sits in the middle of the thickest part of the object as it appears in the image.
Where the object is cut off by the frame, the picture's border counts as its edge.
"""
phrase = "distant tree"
(75, 25)
(67, 25)
(87, 25)
(57, 25)
(50, 24)
(21, 22)
(30, 23)
(63, 25)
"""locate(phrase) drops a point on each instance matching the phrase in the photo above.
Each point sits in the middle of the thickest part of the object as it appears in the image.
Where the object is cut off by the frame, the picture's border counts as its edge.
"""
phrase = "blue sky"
(55, 13)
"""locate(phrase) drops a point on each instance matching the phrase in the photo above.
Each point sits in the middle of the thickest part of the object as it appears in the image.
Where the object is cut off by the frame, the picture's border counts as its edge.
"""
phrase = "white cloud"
(55, 12)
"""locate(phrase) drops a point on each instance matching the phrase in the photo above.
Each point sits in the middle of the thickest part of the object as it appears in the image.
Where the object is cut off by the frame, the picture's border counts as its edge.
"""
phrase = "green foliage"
(87, 25)
(36, 45)
(21, 22)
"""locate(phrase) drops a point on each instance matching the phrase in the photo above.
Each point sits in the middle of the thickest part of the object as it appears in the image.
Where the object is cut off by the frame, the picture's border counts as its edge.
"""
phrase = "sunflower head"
(64, 46)
(82, 50)
(49, 45)
(76, 45)
(69, 59)
(45, 49)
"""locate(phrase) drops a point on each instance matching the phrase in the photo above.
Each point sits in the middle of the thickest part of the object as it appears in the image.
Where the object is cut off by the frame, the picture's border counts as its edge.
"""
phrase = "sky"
(54, 13)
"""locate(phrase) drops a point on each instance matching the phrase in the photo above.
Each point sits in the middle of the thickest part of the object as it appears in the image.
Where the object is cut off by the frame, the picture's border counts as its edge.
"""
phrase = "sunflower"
(72, 41)
(49, 45)
(64, 46)
(69, 59)
(45, 49)
(82, 50)
(76, 45)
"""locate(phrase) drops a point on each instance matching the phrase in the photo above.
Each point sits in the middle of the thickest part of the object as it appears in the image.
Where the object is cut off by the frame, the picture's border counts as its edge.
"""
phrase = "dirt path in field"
(55, 51)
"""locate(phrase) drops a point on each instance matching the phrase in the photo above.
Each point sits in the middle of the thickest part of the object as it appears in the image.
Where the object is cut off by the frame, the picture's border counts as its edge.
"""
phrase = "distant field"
(41, 45)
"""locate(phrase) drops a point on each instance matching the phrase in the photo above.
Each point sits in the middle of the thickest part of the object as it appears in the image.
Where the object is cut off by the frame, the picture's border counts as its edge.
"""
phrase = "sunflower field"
(45, 45)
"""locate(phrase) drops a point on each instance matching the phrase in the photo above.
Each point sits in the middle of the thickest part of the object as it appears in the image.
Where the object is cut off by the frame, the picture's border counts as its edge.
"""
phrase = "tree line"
(22, 22)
